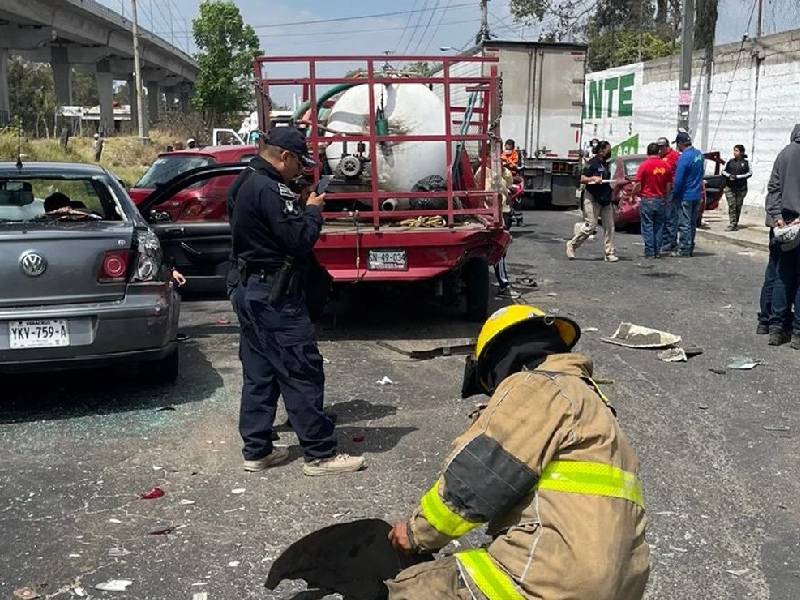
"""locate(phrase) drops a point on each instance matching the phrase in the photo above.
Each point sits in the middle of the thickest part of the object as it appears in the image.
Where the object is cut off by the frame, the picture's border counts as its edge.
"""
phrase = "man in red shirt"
(669, 242)
(652, 184)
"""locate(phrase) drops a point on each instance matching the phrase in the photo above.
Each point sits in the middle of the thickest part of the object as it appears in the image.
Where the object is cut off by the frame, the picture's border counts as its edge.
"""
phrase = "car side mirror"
(159, 216)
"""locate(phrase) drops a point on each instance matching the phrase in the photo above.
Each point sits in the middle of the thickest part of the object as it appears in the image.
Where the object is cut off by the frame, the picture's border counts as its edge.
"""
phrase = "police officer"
(273, 240)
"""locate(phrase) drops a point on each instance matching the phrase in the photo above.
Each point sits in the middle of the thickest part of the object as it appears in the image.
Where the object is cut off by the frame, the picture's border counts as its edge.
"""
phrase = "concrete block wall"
(736, 114)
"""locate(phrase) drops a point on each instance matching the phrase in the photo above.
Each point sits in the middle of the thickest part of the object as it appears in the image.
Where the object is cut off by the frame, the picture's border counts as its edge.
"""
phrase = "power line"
(406, 28)
(271, 36)
(410, 41)
(427, 27)
(438, 25)
(353, 18)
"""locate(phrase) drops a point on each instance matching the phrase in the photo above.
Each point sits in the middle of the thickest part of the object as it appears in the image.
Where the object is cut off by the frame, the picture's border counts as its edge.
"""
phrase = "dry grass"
(124, 156)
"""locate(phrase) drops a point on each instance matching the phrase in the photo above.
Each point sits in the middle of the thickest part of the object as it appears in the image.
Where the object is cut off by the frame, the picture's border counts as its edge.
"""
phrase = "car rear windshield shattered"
(168, 167)
(42, 200)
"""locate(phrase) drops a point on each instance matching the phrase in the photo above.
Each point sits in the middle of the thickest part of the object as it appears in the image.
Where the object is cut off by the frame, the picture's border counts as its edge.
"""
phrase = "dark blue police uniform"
(278, 349)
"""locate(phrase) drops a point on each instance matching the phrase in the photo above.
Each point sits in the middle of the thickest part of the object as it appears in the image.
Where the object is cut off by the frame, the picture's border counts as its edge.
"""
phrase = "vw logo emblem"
(32, 263)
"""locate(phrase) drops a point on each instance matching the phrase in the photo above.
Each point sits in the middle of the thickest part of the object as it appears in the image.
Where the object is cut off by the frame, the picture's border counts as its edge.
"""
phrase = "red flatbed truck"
(455, 233)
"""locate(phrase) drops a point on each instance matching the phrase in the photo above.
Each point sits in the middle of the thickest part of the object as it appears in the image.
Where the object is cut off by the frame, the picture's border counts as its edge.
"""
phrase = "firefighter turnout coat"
(548, 468)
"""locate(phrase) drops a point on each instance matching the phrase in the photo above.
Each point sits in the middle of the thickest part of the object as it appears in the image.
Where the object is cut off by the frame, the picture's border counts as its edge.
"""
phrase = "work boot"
(611, 258)
(278, 456)
(732, 227)
(341, 463)
(778, 337)
(570, 250)
(795, 341)
(762, 329)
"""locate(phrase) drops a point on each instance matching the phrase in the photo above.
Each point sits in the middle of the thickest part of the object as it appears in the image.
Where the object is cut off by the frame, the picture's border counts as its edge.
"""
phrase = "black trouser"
(279, 356)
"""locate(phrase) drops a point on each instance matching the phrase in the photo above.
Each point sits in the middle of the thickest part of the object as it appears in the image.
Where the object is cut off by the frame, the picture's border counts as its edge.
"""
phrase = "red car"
(204, 201)
(623, 170)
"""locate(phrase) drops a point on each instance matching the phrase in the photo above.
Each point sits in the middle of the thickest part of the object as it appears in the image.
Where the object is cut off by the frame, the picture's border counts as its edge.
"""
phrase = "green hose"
(337, 89)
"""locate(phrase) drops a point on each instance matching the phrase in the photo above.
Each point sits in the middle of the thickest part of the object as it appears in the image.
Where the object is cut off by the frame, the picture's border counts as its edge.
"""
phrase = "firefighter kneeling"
(546, 465)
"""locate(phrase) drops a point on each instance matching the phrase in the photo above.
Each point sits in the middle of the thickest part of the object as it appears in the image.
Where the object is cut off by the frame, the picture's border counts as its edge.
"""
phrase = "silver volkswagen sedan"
(82, 282)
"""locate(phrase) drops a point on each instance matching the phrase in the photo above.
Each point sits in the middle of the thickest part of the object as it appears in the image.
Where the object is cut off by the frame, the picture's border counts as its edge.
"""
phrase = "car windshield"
(169, 167)
(57, 199)
(632, 165)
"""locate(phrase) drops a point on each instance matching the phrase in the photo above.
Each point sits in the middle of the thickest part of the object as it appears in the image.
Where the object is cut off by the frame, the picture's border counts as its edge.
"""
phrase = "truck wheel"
(164, 371)
(476, 280)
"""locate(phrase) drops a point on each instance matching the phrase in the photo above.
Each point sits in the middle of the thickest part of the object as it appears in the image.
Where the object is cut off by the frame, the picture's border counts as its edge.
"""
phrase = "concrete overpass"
(85, 35)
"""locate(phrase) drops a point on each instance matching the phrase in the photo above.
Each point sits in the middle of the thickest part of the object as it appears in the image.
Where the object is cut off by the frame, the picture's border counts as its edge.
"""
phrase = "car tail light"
(148, 256)
(114, 267)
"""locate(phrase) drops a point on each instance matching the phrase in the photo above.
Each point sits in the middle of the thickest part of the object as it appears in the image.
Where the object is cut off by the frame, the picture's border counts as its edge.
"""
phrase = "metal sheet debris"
(673, 355)
(743, 363)
(638, 336)
(426, 349)
(385, 381)
(114, 585)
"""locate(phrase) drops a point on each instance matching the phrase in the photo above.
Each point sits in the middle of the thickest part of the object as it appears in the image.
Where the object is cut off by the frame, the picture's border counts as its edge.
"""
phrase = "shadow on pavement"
(352, 559)
(72, 394)
(360, 440)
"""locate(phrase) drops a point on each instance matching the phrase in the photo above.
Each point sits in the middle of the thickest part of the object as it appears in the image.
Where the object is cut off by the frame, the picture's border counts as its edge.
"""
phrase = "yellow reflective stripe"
(590, 478)
(441, 517)
(597, 389)
(490, 579)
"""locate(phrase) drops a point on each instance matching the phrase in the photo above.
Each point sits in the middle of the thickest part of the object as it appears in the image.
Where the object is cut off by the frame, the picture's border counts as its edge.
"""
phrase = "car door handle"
(175, 230)
(189, 250)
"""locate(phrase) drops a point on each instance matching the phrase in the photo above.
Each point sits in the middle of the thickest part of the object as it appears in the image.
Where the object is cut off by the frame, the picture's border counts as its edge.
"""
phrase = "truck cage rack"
(483, 91)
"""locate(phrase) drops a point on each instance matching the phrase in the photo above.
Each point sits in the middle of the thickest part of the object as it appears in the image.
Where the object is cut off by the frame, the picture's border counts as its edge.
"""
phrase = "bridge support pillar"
(105, 91)
(62, 75)
(153, 101)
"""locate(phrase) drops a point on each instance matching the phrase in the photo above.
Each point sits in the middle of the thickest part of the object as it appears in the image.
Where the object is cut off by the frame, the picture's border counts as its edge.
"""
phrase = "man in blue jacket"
(688, 191)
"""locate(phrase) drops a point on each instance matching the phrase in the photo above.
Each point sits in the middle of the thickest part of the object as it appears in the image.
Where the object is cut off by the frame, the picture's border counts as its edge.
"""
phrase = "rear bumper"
(142, 326)
(430, 252)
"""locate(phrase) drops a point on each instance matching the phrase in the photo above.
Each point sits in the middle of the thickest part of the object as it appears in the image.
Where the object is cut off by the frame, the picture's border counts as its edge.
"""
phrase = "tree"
(84, 89)
(226, 50)
(32, 95)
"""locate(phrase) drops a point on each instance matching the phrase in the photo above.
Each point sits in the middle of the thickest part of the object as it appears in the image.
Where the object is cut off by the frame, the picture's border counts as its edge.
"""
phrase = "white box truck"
(542, 111)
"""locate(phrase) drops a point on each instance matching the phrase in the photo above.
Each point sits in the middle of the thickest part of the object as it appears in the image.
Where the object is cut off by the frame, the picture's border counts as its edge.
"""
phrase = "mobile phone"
(322, 185)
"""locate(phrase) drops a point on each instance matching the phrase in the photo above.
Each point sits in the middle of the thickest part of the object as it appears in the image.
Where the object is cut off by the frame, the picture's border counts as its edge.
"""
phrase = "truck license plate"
(387, 260)
(50, 333)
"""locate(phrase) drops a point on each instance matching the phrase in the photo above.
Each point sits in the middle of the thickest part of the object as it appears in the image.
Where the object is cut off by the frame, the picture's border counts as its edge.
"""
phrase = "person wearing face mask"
(273, 241)
(737, 172)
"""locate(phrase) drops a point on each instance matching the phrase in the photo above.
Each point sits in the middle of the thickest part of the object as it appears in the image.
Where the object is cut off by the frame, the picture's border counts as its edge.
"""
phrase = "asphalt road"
(719, 451)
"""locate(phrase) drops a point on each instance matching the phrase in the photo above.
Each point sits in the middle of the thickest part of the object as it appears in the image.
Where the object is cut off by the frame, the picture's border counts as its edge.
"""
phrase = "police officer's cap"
(291, 139)
(683, 138)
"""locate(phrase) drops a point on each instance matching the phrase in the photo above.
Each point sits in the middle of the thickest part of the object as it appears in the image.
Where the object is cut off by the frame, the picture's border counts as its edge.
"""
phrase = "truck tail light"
(114, 267)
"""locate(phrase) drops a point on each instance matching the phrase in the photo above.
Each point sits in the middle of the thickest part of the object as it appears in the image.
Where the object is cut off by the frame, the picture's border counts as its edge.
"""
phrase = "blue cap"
(683, 138)
(291, 139)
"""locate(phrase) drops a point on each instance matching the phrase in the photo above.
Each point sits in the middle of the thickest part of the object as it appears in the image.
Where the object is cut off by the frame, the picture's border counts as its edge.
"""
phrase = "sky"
(440, 23)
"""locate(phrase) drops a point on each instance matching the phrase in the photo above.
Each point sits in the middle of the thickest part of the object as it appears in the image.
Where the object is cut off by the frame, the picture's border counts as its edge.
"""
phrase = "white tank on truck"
(407, 109)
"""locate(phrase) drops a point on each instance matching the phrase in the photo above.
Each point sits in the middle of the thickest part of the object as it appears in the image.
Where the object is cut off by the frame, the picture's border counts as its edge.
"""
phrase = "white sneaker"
(612, 258)
(278, 456)
(341, 463)
(570, 251)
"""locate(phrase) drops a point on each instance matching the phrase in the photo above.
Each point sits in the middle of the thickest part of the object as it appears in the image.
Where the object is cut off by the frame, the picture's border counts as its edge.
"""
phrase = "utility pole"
(687, 48)
(137, 68)
(759, 23)
(483, 34)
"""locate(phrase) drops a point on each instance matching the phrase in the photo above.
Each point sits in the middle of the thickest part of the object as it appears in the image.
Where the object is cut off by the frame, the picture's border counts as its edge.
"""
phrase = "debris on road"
(718, 371)
(737, 572)
(186, 502)
(385, 381)
(743, 363)
(154, 493)
(234, 563)
(26, 593)
(427, 349)
(114, 585)
(590, 329)
(238, 491)
(638, 336)
(673, 355)
(162, 530)
(118, 552)
(165, 408)
(778, 428)
(115, 521)
(223, 321)
(200, 596)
